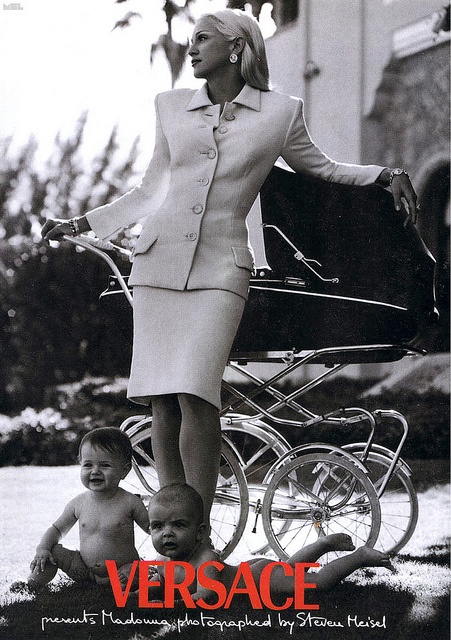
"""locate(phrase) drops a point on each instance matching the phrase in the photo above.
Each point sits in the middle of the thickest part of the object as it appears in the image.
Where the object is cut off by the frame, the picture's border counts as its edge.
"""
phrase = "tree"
(53, 329)
(174, 51)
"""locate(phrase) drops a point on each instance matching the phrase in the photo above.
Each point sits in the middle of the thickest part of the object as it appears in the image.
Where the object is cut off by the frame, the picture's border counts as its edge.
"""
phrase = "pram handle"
(97, 246)
(104, 245)
(300, 256)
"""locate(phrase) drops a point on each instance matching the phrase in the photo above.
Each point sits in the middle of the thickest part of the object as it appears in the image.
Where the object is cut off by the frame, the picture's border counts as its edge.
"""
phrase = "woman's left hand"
(404, 196)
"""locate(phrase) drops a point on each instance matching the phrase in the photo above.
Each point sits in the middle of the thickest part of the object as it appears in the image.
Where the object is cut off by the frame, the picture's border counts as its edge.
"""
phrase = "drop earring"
(233, 58)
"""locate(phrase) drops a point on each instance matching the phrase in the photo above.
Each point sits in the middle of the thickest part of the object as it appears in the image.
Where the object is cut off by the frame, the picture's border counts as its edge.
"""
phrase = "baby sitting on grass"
(178, 533)
(105, 514)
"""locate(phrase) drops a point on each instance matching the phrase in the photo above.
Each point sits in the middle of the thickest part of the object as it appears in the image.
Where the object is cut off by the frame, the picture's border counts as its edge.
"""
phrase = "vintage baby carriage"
(349, 281)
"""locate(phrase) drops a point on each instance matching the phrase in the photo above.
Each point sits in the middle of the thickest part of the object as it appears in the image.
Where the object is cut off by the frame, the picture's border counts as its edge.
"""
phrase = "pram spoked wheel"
(397, 496)
(315, 495)
(231, 503)
(398, 501)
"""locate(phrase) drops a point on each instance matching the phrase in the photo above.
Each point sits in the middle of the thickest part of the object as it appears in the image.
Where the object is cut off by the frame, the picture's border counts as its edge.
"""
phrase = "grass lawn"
(412, 603)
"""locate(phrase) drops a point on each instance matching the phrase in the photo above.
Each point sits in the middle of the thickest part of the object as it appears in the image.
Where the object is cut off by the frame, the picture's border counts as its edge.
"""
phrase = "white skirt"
(181, 341)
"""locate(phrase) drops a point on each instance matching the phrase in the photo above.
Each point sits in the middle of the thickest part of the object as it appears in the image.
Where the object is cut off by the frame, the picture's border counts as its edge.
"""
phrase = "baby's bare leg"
(324, 544)
(331, 574)
(334, 572)
(124, 574)
(281, 584)
(40, 578)
(67, 560)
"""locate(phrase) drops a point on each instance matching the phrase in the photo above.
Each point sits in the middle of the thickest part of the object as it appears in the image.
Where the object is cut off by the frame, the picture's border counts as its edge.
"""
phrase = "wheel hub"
(319, 515)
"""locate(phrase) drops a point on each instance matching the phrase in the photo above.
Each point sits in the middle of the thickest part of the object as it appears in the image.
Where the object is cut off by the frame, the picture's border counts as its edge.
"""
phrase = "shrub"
(38, 437)
(53, 329)
(51, 436)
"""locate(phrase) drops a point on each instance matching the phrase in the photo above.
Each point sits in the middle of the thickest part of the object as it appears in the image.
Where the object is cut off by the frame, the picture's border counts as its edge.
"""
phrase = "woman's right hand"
(55, 230)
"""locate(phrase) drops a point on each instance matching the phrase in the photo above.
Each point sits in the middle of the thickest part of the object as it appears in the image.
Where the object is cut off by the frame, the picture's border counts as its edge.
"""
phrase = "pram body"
(375, 284)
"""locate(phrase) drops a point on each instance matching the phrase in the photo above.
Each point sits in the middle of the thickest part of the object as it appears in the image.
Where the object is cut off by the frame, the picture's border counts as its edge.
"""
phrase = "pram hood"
(385, 273)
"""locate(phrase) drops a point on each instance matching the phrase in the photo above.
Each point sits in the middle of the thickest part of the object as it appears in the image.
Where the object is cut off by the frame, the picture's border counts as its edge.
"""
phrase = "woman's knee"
(199, 419)
(197, 405)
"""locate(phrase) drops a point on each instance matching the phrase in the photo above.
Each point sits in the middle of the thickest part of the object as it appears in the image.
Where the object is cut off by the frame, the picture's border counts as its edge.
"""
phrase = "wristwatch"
(74, 226)
(396, 172)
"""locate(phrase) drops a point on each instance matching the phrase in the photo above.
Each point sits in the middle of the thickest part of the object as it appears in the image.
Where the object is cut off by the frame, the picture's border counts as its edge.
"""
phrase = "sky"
(59, 58)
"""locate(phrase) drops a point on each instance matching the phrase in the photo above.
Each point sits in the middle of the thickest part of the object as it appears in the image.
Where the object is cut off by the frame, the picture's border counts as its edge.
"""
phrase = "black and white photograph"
(224, 290)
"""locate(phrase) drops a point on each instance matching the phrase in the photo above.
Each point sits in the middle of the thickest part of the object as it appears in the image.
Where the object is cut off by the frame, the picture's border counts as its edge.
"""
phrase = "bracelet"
(396, 172)
(74, 226)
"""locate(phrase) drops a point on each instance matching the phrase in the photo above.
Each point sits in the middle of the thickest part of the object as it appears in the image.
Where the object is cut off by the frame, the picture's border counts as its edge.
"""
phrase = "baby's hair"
(181, 493)
(111, 439)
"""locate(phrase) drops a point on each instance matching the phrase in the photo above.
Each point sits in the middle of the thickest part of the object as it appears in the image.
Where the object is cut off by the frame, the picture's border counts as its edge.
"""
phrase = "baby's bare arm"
(43, 550)
(140, 514)
(203, 592)
(52, 536)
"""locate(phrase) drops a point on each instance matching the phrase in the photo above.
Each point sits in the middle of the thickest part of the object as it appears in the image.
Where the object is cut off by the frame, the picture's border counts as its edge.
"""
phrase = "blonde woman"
(192, 262)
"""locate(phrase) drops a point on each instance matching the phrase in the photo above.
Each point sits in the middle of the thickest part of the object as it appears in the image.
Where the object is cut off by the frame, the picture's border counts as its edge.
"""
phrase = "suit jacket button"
(230, 117)
(204, 181)
(223, 129)
(211, 153)
(198, 208)
(191, 236)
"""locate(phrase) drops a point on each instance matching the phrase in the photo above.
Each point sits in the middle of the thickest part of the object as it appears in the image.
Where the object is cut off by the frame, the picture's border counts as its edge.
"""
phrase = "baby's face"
(174, 530)
(101, 470)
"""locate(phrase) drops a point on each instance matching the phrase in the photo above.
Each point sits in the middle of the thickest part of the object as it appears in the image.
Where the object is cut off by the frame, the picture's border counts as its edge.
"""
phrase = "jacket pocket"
(145, 241)
(243, 258)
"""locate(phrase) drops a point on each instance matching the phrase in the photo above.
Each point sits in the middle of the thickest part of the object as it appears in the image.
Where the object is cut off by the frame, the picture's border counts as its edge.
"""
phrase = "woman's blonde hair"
(234, 23)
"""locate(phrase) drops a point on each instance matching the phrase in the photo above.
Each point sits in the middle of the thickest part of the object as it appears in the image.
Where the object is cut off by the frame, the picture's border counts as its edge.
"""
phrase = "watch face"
(395, 172)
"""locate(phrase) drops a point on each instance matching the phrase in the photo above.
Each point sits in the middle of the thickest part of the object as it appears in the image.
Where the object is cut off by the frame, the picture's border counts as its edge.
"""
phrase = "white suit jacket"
(206, 171)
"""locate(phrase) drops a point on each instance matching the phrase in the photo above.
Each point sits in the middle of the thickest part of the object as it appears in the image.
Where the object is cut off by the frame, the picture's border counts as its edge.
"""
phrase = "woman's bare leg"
(200, 446)
(186, 442)
(166, 423)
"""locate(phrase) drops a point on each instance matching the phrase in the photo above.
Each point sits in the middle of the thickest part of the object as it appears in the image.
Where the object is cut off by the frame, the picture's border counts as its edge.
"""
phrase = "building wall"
(332, 98)
(350, 42)
(409, 125)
